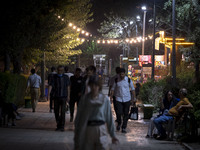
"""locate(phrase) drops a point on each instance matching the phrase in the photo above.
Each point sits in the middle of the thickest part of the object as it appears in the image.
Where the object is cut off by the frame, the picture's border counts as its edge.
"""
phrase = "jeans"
(59, 110)
(159, 121)
(122, 110)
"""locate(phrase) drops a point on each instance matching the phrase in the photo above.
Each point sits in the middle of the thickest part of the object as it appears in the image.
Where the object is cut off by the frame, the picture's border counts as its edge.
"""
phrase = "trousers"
(73, 99)
(34, 97)
(159, 121)
(59, 110)
(122, 110)
(96, 138)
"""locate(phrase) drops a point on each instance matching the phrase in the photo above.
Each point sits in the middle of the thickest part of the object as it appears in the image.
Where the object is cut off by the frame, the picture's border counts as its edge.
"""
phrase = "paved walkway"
(36, 131)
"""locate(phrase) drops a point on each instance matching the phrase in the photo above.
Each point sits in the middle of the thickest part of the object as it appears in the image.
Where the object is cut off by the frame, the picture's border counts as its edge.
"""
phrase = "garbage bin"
(148, 110)
(27, 102)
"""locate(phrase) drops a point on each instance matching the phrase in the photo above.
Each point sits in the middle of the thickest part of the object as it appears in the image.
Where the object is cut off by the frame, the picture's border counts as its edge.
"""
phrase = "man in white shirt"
(122, 87)
(34, 82)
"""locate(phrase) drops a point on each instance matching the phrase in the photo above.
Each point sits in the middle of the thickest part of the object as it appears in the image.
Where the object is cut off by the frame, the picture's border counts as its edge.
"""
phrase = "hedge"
(13, 87)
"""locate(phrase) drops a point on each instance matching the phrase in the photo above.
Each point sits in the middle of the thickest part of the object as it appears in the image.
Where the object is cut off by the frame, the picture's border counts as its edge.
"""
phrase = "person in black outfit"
(76, 89)
(50, 78)
(61, 91)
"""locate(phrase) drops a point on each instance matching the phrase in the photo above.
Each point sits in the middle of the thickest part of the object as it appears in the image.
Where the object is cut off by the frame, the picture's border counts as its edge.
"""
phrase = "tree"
(30, 25)
(188, 22)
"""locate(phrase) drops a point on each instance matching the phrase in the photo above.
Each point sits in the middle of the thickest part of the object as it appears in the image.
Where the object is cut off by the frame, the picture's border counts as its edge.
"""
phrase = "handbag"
(133, 115)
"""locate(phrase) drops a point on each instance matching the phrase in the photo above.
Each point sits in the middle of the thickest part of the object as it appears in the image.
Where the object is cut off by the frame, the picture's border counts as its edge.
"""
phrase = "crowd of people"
(94, 118)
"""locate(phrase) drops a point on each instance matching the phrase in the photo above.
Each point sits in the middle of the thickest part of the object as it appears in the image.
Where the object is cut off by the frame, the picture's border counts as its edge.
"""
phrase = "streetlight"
(138, 19)
(144, 21)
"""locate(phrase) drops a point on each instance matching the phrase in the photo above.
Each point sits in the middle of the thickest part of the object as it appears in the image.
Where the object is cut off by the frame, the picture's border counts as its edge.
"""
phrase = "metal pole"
(174, 44)
(143, 38)
(154, 31)
(42, 97)
(136, 47)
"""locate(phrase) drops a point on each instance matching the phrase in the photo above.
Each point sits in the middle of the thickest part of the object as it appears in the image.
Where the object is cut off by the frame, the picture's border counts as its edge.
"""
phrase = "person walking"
(61, 91)
(94, 120)
(122, 86)
(90, 71)
(75, 91)
(50, 78)
(34, 82)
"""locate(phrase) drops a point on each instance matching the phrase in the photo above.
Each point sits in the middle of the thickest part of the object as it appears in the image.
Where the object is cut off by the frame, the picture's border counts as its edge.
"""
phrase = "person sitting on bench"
(177, 110)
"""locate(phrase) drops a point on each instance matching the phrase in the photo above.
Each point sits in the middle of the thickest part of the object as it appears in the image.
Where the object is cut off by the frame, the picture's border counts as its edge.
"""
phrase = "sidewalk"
(36, 131)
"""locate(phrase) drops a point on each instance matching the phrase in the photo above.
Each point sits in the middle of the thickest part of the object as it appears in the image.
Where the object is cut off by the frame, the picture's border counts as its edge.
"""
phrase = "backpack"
(129, 80)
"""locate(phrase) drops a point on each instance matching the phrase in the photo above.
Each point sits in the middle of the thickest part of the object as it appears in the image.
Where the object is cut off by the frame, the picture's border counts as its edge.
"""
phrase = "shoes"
(162, 137)
(62, 129)
(118, 127)
(57, 129)
(124, 130)
(71, 119)
(147, 136)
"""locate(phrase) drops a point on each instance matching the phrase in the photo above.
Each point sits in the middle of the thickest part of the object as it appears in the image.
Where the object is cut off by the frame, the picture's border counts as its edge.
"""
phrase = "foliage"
(152, 92)
(13, 88)
(88, 49)
(29, 26)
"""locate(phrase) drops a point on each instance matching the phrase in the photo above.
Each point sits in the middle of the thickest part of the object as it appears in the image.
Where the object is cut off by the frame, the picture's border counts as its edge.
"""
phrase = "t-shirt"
(76, 84)
(174, 110)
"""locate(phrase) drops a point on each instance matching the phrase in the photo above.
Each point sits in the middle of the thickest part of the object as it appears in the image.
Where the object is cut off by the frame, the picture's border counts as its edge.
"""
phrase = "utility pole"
(154, 32)
(174, 43)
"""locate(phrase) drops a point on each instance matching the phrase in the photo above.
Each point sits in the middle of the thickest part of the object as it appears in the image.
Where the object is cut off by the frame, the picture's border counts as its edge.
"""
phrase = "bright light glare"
(120, 31)
(144, 8)
(82, 31)
(70, 24)
(131, 22)
(87, 34)
(138, 17)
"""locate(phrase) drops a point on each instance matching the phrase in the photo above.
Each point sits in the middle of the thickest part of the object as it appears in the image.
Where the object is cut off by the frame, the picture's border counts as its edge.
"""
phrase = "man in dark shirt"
(76, 89)
(61, 91)
(50, 78)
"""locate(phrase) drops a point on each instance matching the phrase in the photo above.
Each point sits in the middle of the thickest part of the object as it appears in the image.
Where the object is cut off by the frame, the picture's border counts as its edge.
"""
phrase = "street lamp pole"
(154, 32)
(136, 28)
(144, 22)
(174, 44)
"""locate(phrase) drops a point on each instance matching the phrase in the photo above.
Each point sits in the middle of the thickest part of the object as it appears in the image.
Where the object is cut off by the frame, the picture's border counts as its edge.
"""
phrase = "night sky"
(122, 7)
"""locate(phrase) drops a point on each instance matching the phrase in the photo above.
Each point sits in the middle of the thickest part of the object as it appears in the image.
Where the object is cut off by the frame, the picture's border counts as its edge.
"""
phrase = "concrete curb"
(187, 146)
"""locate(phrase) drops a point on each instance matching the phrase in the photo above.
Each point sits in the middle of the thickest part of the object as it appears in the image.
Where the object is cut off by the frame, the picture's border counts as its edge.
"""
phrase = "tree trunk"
(17, 64)
(6, 62)
(197, 71)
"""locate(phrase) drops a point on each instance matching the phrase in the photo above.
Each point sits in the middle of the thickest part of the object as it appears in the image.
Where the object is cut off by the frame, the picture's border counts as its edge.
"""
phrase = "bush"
(151, 92)
(13, 88)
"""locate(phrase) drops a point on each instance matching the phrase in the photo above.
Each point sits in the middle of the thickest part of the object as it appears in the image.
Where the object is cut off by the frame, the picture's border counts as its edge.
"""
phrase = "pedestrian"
(61, 91)
(34, 82)
(75, 92)
(137, 89)
(94, 120)
(167, 103)
(90, 71)
(112, 80)
(122, 86)
(69, 74)
(174, 111)
(50, 78)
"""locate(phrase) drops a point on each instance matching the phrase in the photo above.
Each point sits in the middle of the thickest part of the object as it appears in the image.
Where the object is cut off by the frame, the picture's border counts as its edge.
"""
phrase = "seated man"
(174, 111)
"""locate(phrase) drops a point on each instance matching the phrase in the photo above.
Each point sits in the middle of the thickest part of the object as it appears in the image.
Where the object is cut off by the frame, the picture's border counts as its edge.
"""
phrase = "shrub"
(13, 88)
